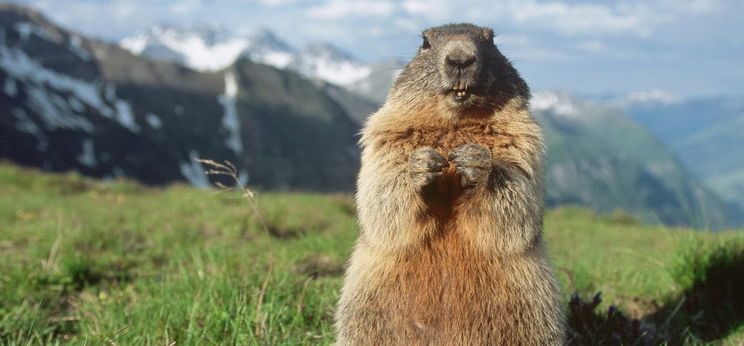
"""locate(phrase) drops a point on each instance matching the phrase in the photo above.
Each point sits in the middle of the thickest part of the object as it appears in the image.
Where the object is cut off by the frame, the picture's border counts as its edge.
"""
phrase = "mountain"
(331, 64)
(706, 134)
(266, 48)
(206, 48)
(71, 103)
(599, 157)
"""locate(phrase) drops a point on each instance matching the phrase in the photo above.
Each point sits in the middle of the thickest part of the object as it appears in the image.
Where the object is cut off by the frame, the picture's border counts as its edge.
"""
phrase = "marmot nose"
(460, 62)
(459, 59)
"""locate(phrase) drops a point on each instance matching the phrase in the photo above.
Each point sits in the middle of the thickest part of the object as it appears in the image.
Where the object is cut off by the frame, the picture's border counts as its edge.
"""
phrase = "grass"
(91, 262)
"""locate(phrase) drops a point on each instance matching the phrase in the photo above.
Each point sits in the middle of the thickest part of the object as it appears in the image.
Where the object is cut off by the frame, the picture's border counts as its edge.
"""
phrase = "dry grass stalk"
(229, 170)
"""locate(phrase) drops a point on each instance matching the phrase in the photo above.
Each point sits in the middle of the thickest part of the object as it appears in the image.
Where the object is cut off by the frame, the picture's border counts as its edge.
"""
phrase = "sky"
(667, 48)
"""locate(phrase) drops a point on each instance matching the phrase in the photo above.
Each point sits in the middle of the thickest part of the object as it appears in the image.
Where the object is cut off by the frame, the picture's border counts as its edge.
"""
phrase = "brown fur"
(443, 264)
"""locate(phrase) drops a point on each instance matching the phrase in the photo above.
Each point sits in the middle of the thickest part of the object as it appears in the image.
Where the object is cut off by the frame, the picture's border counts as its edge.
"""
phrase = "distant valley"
(706, 133)
(597, 156)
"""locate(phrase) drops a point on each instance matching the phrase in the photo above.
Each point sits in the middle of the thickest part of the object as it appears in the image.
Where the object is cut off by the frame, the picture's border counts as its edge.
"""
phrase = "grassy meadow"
(90, 262)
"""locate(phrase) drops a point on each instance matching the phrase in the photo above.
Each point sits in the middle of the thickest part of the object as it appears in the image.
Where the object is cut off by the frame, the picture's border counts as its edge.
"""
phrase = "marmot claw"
(425, 165)
(473, 163)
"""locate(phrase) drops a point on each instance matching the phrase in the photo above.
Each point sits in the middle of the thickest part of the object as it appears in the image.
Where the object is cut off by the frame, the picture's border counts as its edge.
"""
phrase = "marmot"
(450, 204)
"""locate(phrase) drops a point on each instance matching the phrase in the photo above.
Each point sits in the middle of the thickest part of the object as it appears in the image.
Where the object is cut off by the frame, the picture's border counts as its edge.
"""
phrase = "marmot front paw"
(473, 163)
(425, 165)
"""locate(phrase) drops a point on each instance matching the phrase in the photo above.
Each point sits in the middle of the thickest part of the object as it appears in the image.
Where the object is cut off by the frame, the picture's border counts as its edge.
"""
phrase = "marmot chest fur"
(450, 203)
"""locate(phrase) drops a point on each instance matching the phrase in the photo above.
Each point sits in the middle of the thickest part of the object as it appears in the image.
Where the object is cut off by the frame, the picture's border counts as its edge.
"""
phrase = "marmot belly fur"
(450, 203)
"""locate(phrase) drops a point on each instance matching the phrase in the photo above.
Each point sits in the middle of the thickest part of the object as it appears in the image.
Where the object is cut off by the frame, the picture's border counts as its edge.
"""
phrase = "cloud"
(563, 17)
(335, 9)
(653, 95)
(582, 18)
(538, 54)
(591, 46)
(437, 12)
(512, 39)
(408, 25)
(124, 10)
(273, 3)
(693, 6)
(185, 7)
(433, 10)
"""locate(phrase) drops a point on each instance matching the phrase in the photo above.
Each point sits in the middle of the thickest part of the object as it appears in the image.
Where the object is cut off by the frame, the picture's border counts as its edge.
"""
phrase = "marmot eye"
(425, 44)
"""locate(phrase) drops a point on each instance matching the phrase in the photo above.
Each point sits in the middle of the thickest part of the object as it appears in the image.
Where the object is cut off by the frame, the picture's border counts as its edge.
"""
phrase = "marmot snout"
(461, 62)
(450, 204)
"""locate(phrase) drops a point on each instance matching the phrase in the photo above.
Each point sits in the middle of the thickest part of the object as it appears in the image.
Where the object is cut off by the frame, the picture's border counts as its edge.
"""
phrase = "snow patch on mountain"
(230, 119)
(25, 29)
(118, 172)
(87, 157)
(37, 81)
(55, 114)
(193, 172)
(10, 87)
(125, 117)
(27, 125)
(265, 48)
(204, 49)
(76, 47)
(109, 91)
(280, 60)
(135, 44)
(330, 64)
(209, 49)
(76, 104)
(153, 120)
(45, 88)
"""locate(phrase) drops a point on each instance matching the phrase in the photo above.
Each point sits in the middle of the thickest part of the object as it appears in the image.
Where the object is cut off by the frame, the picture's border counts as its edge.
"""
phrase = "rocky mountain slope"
(68, 102)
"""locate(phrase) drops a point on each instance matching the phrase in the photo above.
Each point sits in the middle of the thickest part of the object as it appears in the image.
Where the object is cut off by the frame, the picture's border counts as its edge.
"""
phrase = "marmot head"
(460, 67)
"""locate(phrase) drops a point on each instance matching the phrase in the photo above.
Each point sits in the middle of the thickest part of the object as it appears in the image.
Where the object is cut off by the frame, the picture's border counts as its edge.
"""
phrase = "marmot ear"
(487, 34)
